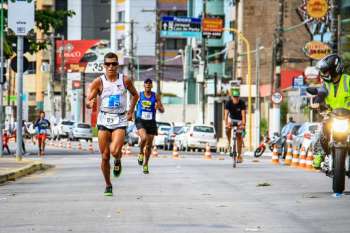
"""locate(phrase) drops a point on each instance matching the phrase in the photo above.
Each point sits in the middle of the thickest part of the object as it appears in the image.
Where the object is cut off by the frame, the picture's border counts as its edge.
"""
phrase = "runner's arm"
(159, 104)
(135, 96)
(93, 90)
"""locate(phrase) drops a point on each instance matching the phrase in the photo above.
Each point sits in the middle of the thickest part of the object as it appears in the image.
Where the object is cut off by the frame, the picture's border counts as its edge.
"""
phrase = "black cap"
(148, 80)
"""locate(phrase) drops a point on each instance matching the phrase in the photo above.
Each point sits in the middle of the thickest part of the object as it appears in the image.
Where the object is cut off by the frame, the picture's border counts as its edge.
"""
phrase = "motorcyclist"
(335, 92)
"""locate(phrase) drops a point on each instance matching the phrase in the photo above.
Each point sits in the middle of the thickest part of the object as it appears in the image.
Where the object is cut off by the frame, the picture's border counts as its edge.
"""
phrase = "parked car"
(170, 137)
(288, 133)
(307, 135)
(197, 136)
(80, 131)
(64, 128)
(132, 136)
(159, 140)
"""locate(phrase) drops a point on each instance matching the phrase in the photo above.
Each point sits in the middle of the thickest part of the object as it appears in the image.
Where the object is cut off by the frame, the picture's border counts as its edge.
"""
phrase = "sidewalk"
(11, 170)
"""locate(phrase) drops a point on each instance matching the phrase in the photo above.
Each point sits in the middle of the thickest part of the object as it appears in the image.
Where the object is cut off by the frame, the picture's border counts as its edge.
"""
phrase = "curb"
(24, 171)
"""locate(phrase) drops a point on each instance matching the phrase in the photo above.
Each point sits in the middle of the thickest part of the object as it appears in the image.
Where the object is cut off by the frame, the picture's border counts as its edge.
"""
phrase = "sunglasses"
(111, 63)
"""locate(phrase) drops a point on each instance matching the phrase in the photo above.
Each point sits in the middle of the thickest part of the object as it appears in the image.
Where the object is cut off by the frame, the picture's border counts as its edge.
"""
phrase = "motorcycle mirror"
(312, 90)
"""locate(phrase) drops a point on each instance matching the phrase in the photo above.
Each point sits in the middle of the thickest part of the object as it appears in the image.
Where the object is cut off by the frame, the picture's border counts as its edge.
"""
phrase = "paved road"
(186, 195)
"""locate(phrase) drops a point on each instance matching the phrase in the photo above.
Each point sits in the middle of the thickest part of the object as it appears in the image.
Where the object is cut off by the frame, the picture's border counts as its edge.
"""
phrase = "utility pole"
(84, 93)
(2, 65)
(52, 75)
(158, 45)
(158, 54)
(131, 51)
(234, 58)
(204, 59)
(334, 26)
(19, 84)
(63, 81)
(257, 97)
(278, 62)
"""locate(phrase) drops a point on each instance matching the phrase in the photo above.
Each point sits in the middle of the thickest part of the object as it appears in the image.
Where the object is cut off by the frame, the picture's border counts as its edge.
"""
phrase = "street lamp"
(240, 36)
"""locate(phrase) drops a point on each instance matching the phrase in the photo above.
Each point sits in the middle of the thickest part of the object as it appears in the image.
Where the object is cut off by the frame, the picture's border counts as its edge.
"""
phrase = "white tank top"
(113, 96)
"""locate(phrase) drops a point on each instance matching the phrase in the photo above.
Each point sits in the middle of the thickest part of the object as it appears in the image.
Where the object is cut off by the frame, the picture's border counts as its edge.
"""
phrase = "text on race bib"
(146, 115)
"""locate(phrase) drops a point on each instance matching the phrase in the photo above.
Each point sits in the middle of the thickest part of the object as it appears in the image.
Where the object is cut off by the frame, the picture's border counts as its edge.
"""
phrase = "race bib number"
(109, 119)
(146, 116)
(112, 101)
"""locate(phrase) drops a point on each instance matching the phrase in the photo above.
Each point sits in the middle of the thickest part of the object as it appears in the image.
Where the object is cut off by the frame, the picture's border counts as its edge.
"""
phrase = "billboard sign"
(83, 55)
(317, 9)
(212, 27)
(316, 50)
(181, 27)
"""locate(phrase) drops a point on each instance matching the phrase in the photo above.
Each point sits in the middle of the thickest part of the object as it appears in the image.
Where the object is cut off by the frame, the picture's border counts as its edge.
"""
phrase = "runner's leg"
(239, 145)
(148, 147)
(104, 138)
(117, 143)
(228, 135)
(143, 137)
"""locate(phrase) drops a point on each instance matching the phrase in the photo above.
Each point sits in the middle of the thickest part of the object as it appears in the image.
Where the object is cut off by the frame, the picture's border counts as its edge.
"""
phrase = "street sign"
(181, 27)
(212, 27)
(312, 75)
(13, 64)
(316, 50)
(298, 82)
(276, 98)
(21, 16)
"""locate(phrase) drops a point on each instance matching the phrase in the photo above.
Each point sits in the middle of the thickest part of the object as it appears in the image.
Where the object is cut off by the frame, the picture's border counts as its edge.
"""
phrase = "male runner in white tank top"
(113, 116)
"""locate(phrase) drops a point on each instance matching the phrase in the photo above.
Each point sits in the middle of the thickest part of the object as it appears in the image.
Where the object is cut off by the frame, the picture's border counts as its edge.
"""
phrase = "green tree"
(46, 21)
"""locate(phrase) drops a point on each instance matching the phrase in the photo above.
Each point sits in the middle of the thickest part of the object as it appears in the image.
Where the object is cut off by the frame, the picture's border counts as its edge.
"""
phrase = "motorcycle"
(336, 165)
(267, 142)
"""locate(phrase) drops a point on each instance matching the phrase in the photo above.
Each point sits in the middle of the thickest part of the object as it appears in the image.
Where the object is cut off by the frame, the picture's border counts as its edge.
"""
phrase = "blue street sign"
(181, 27)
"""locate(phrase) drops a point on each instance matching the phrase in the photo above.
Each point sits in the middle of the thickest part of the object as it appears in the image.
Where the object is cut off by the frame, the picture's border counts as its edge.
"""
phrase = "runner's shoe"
(117, 169)
(108, 191)
(140, 159)
(145, 169)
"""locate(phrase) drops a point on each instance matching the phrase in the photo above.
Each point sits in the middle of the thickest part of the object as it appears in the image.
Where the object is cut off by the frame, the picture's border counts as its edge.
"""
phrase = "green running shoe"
(117, 169)
(145, 169)
(140, 159)
(108, 191)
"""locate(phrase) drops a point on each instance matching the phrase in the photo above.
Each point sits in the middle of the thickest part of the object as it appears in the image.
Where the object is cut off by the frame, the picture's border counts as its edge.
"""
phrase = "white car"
(81, 131)
(197, 136)
(159, 140)
(64, 128)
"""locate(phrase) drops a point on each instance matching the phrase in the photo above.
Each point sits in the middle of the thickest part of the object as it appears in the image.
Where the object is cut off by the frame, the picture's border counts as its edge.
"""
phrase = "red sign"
(75, 84)
(212, 27)
(74, 51)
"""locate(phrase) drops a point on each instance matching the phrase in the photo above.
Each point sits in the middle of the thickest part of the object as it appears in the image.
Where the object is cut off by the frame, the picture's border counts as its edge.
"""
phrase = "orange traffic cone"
(295, 160)
(154, 152)
(175, 152)
(69, 145)
(302, 158)
(90, 148)
(80, 146)
(289, 155)
(207, 154)
(275, 159)
(309, 160)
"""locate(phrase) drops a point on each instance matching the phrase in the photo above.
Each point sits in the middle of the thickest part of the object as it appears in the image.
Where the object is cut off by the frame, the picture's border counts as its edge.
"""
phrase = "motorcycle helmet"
(330, 68)
(235, 92)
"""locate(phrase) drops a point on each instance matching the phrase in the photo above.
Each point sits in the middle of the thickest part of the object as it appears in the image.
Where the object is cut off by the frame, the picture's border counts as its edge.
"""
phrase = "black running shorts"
(149, 126)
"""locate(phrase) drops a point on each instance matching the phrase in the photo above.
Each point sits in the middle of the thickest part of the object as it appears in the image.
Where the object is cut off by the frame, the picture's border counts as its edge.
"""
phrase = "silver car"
(81, 131)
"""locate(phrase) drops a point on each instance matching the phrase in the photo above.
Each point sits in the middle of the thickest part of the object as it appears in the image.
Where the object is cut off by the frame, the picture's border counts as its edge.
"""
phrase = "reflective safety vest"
(340, 99)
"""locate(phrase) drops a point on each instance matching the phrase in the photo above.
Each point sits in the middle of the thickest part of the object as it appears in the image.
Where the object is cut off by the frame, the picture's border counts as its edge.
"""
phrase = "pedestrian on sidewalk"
(112, 120)
(42, 126)
(5, 141)
(145, 122)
